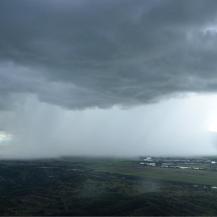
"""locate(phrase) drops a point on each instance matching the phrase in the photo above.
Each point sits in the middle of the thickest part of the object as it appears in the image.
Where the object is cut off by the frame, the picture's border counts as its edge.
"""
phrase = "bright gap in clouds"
(213, 127)
(5, 137)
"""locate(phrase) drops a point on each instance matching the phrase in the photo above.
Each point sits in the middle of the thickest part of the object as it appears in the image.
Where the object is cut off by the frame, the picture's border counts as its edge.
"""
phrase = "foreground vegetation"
(81, 186)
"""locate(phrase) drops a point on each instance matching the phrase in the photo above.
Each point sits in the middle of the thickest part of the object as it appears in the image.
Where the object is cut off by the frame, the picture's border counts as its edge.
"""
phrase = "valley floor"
(82, 186)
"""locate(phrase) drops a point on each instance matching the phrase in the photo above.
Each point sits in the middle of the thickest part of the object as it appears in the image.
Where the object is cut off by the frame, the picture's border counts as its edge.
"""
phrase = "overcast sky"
(108, 77)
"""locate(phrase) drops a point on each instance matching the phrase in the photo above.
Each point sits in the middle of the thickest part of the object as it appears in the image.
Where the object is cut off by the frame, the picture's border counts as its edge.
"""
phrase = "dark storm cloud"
(104, 52)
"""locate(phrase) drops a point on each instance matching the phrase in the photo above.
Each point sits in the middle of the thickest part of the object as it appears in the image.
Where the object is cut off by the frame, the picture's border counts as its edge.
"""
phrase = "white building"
(148, 159)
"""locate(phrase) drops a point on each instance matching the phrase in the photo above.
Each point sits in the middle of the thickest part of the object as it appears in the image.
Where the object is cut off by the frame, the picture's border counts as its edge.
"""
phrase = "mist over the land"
(171, 127)
(107, 77)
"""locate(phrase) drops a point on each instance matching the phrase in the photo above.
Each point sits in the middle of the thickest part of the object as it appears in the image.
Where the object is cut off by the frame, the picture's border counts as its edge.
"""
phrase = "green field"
(132, 168)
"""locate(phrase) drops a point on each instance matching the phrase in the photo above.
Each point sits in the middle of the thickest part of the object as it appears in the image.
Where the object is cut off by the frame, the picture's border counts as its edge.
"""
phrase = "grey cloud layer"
(84, 53)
